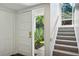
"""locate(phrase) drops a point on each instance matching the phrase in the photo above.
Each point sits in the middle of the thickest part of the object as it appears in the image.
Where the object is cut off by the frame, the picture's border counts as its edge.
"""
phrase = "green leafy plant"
(39, 33)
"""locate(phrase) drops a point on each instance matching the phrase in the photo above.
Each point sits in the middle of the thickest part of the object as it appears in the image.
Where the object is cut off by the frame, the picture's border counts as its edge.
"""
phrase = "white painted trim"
(32, 36)
(32, 8)
(7, 9)
(47, 30)
(76, 26)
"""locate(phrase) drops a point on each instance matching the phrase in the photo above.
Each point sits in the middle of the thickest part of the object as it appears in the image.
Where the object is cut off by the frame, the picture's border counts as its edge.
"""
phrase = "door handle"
(30, 34)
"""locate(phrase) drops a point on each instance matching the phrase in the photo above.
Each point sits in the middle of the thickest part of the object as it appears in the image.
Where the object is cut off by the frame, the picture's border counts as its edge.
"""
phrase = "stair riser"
(65, 34)
(66, 43)
(65, 30)
(60, 54)
(67, 49)
(66, 38)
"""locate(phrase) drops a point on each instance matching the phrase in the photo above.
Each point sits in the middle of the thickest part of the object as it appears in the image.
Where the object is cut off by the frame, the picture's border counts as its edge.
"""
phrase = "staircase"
(65, 44)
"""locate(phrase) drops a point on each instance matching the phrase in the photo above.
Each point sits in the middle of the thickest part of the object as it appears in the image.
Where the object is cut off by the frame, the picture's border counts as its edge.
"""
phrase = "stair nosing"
(66, 32)
(66, 40)
(66, 36)
(63, 45)
(67, 27)
(66, 52)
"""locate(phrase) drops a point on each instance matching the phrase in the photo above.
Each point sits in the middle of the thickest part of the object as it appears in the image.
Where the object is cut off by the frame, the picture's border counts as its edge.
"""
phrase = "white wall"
(9, 44)
(55, 22)
(7, 32)
(76, 24)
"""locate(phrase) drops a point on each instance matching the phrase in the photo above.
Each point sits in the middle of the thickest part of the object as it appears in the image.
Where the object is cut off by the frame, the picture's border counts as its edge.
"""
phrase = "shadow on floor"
(17, 54)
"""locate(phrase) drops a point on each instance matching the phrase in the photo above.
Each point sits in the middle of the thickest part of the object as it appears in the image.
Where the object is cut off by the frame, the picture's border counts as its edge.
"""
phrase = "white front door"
(24, 29)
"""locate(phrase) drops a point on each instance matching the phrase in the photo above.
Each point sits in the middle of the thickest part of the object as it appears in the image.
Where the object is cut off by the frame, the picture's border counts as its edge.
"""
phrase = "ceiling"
(17, 6)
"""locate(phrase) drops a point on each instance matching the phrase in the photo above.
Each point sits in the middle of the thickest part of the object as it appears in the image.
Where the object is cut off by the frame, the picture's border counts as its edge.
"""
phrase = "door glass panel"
(39, 35)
